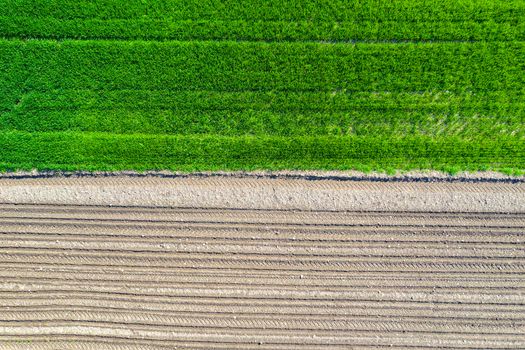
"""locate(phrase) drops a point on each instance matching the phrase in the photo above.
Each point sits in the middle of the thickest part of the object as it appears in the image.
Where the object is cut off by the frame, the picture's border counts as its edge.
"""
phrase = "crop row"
(167, 29)
(489, 114)
(491, 102)
(233, 66)
(262, 123)
(286, 10)
(72, 151)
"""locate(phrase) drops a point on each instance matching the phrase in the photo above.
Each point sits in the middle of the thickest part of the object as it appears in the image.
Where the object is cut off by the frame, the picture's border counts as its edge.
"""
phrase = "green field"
(255, 84)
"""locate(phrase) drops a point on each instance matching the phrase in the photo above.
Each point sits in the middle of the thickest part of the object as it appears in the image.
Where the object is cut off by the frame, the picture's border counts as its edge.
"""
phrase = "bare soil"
(231, 263)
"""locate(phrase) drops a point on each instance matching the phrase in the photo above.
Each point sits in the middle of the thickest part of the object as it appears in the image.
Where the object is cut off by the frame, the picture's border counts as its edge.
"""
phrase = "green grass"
(201, 85)
(99, 151)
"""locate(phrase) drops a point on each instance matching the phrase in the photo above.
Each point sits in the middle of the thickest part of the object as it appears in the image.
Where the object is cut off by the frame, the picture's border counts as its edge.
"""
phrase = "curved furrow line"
(244, 214)
(370, 261)
(271, 239)
(185, 273)
(235, 325)
(262, 216)
(261, 321)
(207, 220)
(350, 282)
(357, 264)
(273, 306)
(373, 313)
(274, 250)
(293, 294)
(436, 340)
(293, 271)
(349, 286)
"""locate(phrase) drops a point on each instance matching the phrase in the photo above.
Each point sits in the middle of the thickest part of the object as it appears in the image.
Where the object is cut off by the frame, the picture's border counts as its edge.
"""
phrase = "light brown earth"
(230, 263)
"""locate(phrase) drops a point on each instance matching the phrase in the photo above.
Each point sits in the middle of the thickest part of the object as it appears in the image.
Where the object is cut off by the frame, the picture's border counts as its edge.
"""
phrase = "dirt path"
(161, 269)
(265, 193)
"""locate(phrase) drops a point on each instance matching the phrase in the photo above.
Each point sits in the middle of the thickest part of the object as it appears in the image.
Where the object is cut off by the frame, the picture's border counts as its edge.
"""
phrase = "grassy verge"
(96, 151)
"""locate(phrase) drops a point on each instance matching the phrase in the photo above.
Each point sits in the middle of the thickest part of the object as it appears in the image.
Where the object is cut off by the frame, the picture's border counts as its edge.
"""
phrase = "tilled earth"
(137, 277)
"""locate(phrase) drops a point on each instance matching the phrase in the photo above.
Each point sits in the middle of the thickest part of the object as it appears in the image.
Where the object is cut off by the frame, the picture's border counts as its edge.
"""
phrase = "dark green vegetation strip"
(165, 29)
(340, 20)
(97, 151)
(255, 84)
